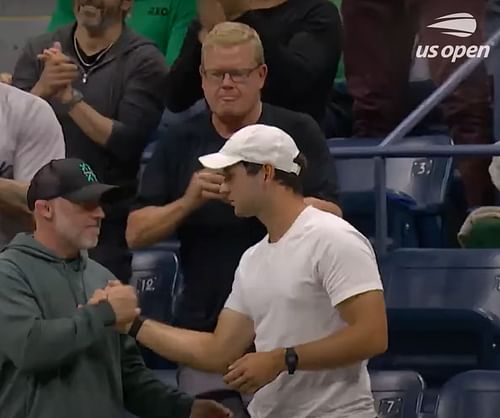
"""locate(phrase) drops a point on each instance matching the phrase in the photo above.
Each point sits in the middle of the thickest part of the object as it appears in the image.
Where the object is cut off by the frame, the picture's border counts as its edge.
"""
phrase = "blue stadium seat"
(155, 273)
(397, 394)
(471, 394)
(443, 309)
(156, 276)
(416, 191)
(145, 157)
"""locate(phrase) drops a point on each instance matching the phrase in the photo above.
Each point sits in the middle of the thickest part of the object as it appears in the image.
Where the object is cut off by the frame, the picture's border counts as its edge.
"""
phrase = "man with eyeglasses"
(177, 195)
(302, 41)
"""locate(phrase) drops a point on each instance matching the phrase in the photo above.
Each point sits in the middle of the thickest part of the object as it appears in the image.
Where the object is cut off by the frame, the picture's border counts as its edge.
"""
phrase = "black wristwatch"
(136, 326)
(291, 360)
(76, 98)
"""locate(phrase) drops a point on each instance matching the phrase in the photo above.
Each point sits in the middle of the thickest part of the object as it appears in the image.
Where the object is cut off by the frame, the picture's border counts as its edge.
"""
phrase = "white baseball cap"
(259, 144)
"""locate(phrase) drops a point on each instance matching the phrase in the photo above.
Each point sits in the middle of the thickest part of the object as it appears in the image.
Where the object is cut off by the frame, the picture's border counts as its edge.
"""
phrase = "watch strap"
(291, 360)
(77, 98)
(136, 326)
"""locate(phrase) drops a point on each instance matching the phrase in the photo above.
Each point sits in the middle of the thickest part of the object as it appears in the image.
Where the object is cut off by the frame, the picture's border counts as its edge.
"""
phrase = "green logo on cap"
(88, 173)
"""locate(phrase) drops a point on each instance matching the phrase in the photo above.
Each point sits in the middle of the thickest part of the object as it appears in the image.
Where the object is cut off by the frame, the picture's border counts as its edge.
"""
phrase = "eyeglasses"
(237, 76)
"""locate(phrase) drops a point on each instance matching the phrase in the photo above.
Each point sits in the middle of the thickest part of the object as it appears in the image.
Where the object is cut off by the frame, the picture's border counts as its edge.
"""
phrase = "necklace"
(86, 64)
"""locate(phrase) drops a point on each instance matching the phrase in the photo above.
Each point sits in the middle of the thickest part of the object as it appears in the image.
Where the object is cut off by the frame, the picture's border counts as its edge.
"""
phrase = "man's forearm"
(350, 345)
(37, 90)
(152, 224)
(13, 199)
(97, 127)
(193, 348)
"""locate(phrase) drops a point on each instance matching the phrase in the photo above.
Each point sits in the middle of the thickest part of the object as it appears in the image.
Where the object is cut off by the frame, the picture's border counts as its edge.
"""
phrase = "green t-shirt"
(163, 21)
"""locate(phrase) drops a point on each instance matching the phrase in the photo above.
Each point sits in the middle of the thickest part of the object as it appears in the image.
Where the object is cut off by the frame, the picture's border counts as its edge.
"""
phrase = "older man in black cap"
(59, 311)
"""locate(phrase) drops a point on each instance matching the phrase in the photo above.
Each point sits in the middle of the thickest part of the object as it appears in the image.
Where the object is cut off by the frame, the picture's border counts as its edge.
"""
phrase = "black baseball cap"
(70, 178)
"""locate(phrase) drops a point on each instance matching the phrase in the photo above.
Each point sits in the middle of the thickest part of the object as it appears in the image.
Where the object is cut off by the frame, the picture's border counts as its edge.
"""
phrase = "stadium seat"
(416, 191)
(443, 309)
(397, 394)
(156, 276)
(145, 157)
(474, 393)
(155, 273)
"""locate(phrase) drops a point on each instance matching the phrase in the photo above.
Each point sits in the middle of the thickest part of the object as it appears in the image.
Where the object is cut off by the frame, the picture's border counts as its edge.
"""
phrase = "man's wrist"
(279, 360)
(136, 326)
(39, 91)
(71, 99)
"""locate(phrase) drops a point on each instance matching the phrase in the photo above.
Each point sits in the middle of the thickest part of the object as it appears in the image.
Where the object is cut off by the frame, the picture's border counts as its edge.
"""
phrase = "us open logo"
(458, 25)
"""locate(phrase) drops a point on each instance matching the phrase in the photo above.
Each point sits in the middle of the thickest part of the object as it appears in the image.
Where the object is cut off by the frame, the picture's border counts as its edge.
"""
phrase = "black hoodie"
(126, 86)
(60, 361)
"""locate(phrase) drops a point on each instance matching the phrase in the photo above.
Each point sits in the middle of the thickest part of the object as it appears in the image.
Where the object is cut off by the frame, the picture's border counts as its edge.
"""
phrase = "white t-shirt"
(290, 289)
(30, 136)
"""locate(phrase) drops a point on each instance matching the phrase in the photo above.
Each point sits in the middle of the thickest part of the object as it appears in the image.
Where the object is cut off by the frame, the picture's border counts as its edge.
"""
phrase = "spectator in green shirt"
(163, 21)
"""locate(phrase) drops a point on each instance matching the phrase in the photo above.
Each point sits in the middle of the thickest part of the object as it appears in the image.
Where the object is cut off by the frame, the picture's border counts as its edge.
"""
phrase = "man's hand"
(99, 295)
(209, 409)
(58, 73)
(204, 185)
(213, 12)
(123, 300)
(255, 370)
(121, 327)
(235, 8)
(210, 13)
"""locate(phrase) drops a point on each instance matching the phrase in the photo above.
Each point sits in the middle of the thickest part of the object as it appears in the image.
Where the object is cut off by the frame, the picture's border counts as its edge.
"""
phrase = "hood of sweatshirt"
(60, 355)
(27, 244)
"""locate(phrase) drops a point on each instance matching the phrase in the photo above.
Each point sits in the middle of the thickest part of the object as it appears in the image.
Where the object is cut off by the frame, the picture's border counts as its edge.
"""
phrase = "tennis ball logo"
(461, 25)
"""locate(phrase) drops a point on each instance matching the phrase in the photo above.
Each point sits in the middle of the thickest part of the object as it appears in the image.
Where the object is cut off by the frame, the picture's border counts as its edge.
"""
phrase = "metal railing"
(386, 150)
(380, 154)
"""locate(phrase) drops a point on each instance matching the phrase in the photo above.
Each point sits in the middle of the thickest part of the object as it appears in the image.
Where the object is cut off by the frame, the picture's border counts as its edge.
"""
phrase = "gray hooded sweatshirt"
(58, 360)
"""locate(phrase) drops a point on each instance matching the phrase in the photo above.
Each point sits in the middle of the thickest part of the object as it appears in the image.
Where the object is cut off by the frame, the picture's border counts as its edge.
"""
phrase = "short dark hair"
(290, 180)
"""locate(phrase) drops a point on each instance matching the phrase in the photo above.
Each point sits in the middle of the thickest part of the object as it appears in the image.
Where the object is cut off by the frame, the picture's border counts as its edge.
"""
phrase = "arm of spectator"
(29, 341)
(320, 189)
(6, 78)
(364, 337)
(295, 67)
(143, 393)
(39, 140)
(184, 15)
(212, 352)
(151, 224)
(348, 272)
(13, 198)
(323, 205)
(183, 87)
(138, 114)
(27, 70)
(157, 212)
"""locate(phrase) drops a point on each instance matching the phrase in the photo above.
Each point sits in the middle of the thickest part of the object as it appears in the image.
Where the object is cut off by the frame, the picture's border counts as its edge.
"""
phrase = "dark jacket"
(58, 360)
(302, 46)
(127, 87)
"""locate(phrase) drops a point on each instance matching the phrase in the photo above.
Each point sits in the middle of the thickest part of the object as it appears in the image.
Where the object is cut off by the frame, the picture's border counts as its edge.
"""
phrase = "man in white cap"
(308, 295)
